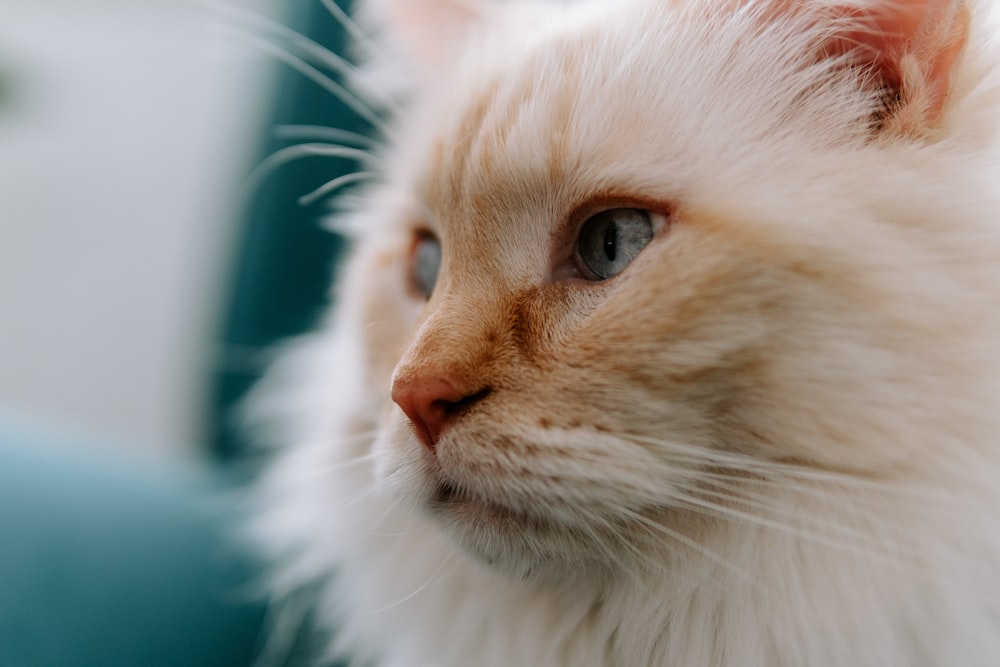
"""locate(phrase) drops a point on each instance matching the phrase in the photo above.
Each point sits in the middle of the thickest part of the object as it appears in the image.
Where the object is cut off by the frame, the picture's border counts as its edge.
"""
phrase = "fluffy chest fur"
(668, 339)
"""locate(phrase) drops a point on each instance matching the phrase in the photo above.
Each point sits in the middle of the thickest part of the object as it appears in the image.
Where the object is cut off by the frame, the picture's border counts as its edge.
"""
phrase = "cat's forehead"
(516, 143)
(619, 93)
(565, 113)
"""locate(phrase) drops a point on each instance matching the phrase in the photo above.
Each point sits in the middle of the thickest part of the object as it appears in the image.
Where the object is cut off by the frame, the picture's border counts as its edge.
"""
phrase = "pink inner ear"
(913, 46)
(432, 30)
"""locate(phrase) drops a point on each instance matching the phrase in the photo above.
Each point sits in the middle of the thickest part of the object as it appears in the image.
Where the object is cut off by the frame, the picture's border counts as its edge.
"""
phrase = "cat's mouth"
(463, 509)
(523, 542)
(451, 499)
(447, 493)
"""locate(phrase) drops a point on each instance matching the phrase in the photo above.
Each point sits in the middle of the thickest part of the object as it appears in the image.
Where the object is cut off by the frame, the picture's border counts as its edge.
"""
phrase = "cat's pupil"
(610, 240)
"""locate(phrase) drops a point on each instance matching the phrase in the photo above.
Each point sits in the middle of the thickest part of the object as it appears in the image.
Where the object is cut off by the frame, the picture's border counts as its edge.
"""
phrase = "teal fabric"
(105, 566)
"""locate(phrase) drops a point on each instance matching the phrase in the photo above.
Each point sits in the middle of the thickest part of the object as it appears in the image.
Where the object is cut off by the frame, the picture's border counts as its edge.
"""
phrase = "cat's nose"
(431, 401)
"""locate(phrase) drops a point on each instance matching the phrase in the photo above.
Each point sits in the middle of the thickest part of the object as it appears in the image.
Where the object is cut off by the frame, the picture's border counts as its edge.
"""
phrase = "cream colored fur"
(772, 440)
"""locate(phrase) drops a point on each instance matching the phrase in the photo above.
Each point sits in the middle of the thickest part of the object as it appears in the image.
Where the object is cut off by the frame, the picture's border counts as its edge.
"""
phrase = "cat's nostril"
(431, 402)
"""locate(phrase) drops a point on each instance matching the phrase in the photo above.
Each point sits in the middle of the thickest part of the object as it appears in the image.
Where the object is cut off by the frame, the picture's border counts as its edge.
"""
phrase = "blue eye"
(610, 240)
(426, 262)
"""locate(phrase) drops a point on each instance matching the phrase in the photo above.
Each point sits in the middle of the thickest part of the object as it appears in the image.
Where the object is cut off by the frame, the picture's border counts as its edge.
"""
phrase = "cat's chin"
(521, 545)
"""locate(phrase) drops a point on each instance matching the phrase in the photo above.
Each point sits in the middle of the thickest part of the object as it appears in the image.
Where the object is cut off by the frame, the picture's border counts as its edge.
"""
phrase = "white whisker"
(337, 467)
(420, 589)
(704, 506)
(780, 474)
(693, 544)
(376, 485)
(349, 99)
(349, 25)
(326, 134)
(768, 506)
(276, 29)
(281, 157)
(335, 184)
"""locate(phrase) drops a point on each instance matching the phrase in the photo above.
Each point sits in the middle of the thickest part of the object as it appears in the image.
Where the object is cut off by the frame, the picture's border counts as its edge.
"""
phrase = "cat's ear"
(913, 47)
(431, 31)
(910, 50)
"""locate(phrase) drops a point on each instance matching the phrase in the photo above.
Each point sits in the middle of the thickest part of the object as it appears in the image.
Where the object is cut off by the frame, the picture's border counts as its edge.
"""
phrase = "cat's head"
(625, 248)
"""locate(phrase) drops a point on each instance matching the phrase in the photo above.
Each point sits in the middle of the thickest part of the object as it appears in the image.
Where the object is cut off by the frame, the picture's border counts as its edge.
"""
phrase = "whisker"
(420, 589)
(781, 473)
(326, 134)
(709, 508)
(844, 490)
(316, 76)
(376, 485)
(376, 530)
(275, 29)
(768, 505)
(281, 157)
(349, 25)
(337, 467)
(335, 184)
(609, 552)
(693, 544)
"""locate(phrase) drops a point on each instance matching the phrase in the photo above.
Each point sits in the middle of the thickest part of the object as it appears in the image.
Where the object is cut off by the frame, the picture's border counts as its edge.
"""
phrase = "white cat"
(669, 338)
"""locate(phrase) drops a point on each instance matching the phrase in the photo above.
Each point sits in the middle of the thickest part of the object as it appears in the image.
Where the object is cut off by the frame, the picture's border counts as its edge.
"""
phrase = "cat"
(668, 337)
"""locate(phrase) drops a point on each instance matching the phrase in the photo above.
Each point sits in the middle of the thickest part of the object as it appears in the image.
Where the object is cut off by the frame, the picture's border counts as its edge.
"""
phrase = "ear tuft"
(912, 49)
(430, 31)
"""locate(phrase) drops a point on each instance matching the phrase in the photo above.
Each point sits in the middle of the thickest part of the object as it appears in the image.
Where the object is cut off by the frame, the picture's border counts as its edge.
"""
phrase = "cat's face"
(665, 254)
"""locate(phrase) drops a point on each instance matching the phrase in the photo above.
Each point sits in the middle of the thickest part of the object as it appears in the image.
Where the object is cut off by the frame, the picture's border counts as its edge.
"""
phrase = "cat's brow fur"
(771, 440)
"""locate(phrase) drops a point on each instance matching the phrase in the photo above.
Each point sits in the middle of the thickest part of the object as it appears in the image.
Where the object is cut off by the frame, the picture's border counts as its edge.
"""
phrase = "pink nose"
(430, 401)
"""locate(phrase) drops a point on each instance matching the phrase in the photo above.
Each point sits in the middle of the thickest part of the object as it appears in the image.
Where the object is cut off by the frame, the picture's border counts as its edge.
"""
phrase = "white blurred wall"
(130, 124)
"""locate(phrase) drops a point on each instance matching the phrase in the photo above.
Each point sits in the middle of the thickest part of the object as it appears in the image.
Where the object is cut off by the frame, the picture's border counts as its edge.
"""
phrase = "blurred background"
(149, 267)
(126, 130)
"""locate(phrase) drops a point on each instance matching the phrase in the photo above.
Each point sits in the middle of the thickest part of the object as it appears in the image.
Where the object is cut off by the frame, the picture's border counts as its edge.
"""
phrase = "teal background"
(111, 566)
(106, 565)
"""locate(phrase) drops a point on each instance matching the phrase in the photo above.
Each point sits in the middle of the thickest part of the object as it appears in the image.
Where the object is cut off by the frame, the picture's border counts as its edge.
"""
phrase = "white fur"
(804, 566)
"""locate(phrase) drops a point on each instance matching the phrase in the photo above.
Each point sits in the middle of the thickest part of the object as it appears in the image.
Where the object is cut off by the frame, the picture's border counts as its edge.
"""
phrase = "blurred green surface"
(105, 565)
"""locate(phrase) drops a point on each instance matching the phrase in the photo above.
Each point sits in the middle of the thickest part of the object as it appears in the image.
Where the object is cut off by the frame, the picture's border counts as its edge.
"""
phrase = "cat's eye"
(610, 240)
(425, 263)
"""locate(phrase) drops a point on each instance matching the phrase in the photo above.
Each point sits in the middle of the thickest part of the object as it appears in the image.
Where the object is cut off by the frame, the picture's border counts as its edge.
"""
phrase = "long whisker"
(709, 508)
(281, 157)
(253, 20)
(766, 505)
(326, 134)
(377, 485)
(335, 184)
(420, 589)
(390, 510)
(679, 537)
(781, 474)
(343, 465)
(319, 78)
(611, 553)
(349, 24)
